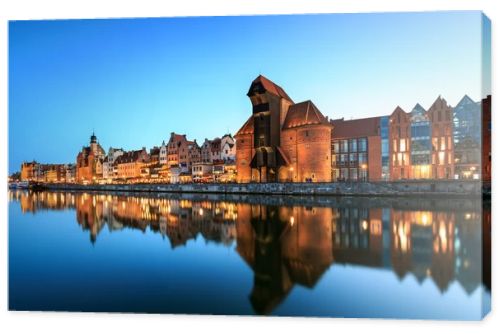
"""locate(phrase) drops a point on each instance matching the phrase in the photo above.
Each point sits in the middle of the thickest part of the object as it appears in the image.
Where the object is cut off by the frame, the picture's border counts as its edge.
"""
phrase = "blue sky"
(134, 81)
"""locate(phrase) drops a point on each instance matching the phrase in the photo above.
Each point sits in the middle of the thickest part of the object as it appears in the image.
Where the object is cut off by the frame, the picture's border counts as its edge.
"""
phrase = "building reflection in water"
(288, 243)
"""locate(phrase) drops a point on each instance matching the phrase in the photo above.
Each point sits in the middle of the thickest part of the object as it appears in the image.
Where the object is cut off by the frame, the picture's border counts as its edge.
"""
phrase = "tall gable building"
(421, 142)
(89, 162)
(282, 140)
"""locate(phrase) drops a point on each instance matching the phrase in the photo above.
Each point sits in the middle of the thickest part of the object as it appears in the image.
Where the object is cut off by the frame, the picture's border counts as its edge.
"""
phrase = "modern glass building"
(384, 145)
(467, 138)
(420, 143)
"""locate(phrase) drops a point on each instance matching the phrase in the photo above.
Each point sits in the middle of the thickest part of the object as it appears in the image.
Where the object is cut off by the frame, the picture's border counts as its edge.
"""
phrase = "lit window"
(402, 145)
(441, 156)
(443, 144)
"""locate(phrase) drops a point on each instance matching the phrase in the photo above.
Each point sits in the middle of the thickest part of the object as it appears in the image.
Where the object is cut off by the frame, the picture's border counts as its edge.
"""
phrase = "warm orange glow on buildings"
(89, 162)
(282, 141)
(421, 142)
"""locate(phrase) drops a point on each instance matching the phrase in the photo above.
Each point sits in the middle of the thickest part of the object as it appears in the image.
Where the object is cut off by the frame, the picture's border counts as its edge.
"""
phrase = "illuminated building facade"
(130, 165)
(182, 152)
(28, 170)
(282, 141)
(356, 150)
(421, 142)
(467, 138)
(89, 162)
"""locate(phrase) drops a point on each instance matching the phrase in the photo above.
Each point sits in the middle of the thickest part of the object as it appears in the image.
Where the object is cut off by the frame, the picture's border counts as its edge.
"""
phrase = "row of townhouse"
(172, 162)
(53, 173)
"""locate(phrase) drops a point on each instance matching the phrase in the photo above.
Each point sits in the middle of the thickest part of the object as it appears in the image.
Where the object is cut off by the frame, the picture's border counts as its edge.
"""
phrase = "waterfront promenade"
(403, 188)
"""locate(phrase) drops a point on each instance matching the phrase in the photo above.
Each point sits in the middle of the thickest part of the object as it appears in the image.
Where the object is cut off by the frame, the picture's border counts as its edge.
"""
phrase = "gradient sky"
(134, 81)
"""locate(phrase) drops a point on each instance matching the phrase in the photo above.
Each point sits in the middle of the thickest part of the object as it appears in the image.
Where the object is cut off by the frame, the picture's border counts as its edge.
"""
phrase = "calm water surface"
(210, 254)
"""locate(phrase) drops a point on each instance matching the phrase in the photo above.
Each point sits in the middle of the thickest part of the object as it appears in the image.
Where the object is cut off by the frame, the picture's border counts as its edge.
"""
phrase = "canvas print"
(330, 165)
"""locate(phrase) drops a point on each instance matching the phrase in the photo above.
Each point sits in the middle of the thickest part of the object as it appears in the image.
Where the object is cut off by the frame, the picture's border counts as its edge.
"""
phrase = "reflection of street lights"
(291, 173)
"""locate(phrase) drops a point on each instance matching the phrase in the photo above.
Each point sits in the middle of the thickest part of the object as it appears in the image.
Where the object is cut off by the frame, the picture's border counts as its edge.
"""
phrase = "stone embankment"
(399, 188)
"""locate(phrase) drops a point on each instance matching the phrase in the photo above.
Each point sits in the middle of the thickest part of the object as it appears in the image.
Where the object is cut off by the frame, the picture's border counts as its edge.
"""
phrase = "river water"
(214, 254)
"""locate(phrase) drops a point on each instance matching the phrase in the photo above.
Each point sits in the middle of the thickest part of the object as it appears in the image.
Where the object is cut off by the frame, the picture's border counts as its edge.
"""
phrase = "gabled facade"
(89, 162)
(442, 156)
(163, 153)
(130, 165)
(108, 168)
(227, 148)
(421, 142)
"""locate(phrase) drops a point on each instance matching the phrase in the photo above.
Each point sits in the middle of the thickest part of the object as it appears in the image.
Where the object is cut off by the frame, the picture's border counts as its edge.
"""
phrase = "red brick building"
(421, 142)
(182, 152)
(89, 162)
(356, 150)
(282, 141)
(486, 139)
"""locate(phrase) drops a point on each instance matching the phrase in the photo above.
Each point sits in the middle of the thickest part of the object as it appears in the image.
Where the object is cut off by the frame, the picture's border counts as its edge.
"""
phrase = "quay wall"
(397, 188)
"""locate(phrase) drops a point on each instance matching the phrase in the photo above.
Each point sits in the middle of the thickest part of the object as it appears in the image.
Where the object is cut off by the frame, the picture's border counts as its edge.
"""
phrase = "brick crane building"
(282, 141)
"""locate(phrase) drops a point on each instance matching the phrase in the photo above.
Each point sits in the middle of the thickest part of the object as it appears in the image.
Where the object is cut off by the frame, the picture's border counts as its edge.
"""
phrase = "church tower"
(93, 143)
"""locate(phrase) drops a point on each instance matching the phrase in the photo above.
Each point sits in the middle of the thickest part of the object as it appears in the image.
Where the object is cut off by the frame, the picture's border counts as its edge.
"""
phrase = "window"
(336, 147)
(441, 156)
(443, 144)
(353, 147)
(343, 159)
(362, 158)
(363, 174)
(385, 147)
(402, 145)
(353, 158)
(354, 174)
(344, 146)
(344, 174)
(336, 174)
(362, 144)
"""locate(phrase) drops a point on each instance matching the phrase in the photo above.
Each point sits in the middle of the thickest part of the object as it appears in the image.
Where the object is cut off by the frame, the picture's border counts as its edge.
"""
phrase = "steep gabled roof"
(398, 109)
(176, 138)
(271, 87)
(247, 128)
(466, 100)
(303, 113)
(439, 103)
(130, 156)
(418, 109)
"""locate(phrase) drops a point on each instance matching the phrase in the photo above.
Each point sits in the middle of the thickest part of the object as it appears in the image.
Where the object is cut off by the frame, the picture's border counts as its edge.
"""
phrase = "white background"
(50, 322)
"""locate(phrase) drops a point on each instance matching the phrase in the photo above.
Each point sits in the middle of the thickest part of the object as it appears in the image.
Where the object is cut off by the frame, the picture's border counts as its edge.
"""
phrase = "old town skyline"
(122, 85)
(287, 141)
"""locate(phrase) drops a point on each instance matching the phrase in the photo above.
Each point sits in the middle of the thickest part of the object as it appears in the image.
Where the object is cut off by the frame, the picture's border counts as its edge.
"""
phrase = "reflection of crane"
(284, 250)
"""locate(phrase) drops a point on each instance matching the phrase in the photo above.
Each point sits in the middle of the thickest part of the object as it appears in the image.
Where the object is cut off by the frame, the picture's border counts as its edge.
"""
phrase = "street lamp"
(364, 167)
